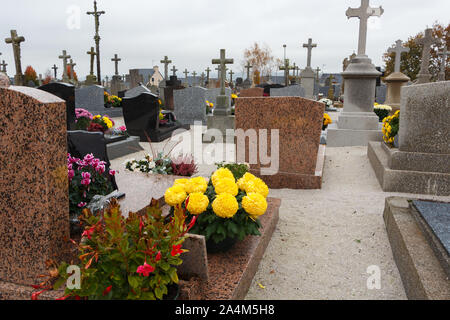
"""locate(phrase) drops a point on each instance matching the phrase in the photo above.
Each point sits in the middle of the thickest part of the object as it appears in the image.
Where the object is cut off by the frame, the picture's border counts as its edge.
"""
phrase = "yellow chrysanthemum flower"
(226, 185)
(225, 206)
(182, 183)
(197, 184)
(221, 174)
(198, 203)
(242, 182)
(257, 186)
(175, 195)
(254, 204)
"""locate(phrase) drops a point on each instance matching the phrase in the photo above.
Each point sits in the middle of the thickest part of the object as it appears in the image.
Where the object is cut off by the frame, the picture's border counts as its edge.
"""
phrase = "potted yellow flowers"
(226, 210)
(326, 121)
(391, 126)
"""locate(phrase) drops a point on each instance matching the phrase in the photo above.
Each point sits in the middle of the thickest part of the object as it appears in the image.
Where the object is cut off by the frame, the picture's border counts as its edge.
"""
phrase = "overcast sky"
(191, 32)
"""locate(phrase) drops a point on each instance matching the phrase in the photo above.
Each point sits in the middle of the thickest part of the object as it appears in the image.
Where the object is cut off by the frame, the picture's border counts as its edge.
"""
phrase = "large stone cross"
(15, 40)
(97, 15)
(248, 67)
(116, 62)
(444, 55)
(174, 71)
(310, 46)
(92, 53)
(64, 58)
(427, 41)
(398, 49)
(286, 69)
(3, 64)
(72, 71)
(363, 13)
(166, 62)
(54, 70)
(222, 62)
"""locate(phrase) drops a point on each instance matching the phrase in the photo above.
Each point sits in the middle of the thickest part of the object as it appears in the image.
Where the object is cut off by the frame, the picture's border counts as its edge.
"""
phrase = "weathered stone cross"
(444, 54)
(92, 53)
(202, 79)
(248, 67)
(310, 46)
(222, 62)
(166, 62)
(116, 62)
(72, 71)
(286, 69)
(208, 70)
(15, 41)
(194, 74)
(363, 13)
(231, 76)
(97, 15)
(3, 64)
(64, 58)
(174, 71)
(54, 70)
(186, 72)
(398, 49)
(427, 41)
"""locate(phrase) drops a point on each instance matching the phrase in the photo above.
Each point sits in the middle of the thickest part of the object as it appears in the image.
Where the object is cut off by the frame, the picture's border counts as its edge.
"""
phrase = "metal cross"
(54, 70)
(174, 71)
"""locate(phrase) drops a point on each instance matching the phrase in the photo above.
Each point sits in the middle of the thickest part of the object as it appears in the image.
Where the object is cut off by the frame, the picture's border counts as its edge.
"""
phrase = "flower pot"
(173, 292)
(324, 128)
(223, 246)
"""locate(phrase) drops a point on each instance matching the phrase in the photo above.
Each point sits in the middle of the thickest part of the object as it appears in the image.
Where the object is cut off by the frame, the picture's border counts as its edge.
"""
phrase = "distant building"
(149, 77)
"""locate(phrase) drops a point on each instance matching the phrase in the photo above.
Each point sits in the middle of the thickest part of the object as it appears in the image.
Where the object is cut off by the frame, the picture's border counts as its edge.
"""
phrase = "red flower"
(88, 233)
(145, 269)
(141, 225)
(192, 223)
(158, 256)
(35, 295)
(107, 290)
(176, 250)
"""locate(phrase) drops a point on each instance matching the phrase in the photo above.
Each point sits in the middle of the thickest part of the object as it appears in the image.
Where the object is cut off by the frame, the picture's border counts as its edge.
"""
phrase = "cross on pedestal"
(166, 62)
(194, 74)
(231, 76)
(317, 73)
(92, 53)
(208, 70)
(444, 55)
(72, 71)
(116, 62)
(309, 46)
(286, 69)
(398, 49)
(3, 65)
(174, 71)
(97, 15)
(427, 41)
(55, 68)
(222, 62)
(202, 79)
(248, 67)
(186, 72)
(64, 58)
(15, 40)
(363, 13)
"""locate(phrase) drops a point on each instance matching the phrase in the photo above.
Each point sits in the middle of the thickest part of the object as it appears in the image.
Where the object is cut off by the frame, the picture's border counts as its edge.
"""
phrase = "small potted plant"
(391, 126)
(209, 107)
(226, 211)
(382, 111)
(326, 121)
(132, 258)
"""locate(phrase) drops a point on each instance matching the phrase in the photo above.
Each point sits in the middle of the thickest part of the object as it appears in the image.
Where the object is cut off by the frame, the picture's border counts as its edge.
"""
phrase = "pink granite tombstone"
(252, 92)
(299, 121)
(34, 204)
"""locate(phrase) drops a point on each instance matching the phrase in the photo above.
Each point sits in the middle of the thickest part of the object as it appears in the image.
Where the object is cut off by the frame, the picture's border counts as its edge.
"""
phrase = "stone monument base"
(292, 180)
(409, 172)
(339, 137)
(421, 271)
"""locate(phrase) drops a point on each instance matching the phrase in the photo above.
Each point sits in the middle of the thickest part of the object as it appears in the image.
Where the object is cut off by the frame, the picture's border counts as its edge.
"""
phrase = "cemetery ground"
(325, 239)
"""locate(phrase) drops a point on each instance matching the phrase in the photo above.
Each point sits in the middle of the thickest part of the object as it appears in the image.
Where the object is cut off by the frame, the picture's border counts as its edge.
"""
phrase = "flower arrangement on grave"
(225, 210)
(382, 110)
(238, 169)
(326, 121)
(209, 107)
(112, 100)
(391, 125)
(86, 121)
(87, 178)
(120, 131)
(132, 258)
(328, 102)
(163, 164)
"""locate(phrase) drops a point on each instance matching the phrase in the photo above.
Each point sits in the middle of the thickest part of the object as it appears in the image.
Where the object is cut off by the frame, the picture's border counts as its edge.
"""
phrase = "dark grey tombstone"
(66, 92)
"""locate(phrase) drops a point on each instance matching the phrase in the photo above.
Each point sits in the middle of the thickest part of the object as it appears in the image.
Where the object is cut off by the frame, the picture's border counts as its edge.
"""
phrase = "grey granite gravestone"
(381, 94)
(290, 91)
(190, 105)
(136, 91)
(212, 94)
(92, 99)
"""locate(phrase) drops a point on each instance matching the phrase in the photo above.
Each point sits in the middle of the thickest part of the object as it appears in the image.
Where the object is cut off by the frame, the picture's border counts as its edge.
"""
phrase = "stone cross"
(166, 62)
(72, 71)
(363, 13)
(3, 64)
(64, 58)
(208, 70)
(248, 67)
(286, 69)
(92, 53)
(427, 41)
(444, 54)
(15, 41)
(398, 49)
(222, 62)
(186, 72)
(202, 79)
(317, 73)
(97, 15)
(310, 46)
(116, 62)
(174, 71)
(194, 75)
(54, 70)
(231, 76)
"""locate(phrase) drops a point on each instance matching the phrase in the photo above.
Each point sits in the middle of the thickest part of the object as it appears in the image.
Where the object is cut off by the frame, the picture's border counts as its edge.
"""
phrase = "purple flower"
(86, 182)
(71, 174)
(100, 168)
(86, 175)
(112, 172)
(82, 204)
